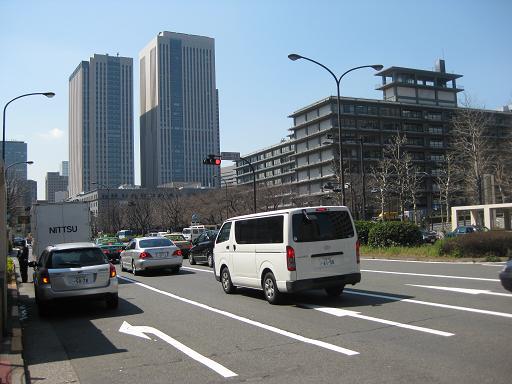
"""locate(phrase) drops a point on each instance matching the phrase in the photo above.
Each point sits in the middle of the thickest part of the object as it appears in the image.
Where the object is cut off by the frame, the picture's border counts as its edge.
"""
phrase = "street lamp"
(377, 67)
(47, 94)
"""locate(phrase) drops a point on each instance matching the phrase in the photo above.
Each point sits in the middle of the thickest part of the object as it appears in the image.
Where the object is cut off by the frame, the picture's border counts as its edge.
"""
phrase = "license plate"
(81, 279)
(161, 254)
(326, 261)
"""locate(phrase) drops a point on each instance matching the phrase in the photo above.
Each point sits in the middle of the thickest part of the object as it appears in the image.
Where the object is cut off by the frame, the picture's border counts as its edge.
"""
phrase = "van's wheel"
(225, 279)
(334, 291)
(134, 271)
(270, 290)
(209, 257)
(191, 259)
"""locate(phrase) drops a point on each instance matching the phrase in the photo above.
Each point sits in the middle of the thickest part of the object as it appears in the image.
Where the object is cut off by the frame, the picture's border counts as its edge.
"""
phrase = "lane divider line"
(267, 327)
(429, 275)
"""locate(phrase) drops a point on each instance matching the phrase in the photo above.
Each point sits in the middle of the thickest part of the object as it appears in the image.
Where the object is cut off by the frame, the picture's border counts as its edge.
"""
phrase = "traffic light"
(212, 160)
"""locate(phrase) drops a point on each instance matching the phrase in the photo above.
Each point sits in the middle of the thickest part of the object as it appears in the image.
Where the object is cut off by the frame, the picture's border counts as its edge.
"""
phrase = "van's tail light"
(144, 255)
(177, 252)
(45, 276)
(290, 258)
(357, 251)
(113, 272)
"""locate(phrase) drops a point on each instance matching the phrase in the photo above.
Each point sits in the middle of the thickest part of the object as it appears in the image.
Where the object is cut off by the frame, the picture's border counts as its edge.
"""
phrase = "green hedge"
(394, 233)
(363, 229)
(479, 244)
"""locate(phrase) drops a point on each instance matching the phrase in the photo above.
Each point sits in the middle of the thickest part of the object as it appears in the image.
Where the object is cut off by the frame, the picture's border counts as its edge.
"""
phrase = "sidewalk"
(12, 366)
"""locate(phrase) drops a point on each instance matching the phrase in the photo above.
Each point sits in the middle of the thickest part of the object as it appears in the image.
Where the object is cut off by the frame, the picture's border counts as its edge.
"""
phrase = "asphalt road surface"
(406, 322)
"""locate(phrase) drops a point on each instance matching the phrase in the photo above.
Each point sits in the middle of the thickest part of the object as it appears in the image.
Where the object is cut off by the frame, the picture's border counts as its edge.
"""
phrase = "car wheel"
(112, 301)
(209, 258)
(134, 271)
(122, 266)
(191, 260)
(175, 270)
(334, 291)
(225, 279)
(270, 290)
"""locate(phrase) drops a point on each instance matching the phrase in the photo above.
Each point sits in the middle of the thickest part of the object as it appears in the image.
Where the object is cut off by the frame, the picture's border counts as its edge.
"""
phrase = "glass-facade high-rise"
(179, 124)
(101, 124)
(15, 152)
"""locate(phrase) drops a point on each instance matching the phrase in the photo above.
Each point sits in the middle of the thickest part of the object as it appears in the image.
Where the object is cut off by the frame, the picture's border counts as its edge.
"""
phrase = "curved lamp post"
(377, 67)
(47, 94)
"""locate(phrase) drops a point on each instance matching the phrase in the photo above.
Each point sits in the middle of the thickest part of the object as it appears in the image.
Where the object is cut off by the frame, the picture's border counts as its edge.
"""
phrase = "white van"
(288, 251)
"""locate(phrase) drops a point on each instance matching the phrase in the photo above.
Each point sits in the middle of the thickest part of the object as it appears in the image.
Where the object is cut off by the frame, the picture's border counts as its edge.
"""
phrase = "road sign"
(230, 156)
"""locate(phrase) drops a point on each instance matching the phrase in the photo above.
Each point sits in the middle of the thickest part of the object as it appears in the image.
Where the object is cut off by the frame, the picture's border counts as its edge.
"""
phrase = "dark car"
(506, 276)
(429, 237)
(111, 247)
(19, 242)
(202, 248)
(465, 230)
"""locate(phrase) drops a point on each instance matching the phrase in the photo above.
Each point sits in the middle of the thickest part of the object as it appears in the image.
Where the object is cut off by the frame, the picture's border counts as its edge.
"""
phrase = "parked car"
(202, 248)
(506, 276)
(125, 235)
(429, 236)
(111, 247)
(178, 239)
(73, 271)
(19, 242)
(143, 253)
(466, 229)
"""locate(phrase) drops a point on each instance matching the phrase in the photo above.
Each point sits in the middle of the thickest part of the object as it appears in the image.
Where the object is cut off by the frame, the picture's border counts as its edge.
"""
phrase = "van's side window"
(259, 231)
(224, 233)
(320, 226)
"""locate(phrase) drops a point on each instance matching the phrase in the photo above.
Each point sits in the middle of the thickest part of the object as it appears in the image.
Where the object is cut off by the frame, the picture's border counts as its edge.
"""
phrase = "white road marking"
(466, 309)
(196, 269)
(464, 290)
(270, 328)
(141, 330)
(343, 312)
(496, 264)
(429, 275)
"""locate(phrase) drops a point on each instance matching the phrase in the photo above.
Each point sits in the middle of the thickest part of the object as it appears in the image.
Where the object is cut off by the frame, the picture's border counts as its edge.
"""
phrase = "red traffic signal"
(212, 160)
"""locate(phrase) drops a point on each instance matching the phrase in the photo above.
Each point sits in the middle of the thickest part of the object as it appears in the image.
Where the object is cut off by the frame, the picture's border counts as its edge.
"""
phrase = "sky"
(43, 41)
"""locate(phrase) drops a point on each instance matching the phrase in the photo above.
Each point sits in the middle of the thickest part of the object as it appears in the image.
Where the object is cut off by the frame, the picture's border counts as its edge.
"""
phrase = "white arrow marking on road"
(343, 312)
(464, 290)
(141, 331)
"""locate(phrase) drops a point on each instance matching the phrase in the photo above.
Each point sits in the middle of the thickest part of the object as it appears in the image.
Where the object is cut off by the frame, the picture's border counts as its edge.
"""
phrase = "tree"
(413, 182)
(472, 148)
(139, 213)
(394, 151)
(381, 181)
(16, 190)
(448, 182)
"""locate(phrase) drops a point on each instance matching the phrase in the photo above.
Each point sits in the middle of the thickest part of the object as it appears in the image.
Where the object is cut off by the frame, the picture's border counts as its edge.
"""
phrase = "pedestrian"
(23, 260)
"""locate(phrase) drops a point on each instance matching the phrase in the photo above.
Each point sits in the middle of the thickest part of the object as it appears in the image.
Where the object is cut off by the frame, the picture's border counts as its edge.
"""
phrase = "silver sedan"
(145, 253)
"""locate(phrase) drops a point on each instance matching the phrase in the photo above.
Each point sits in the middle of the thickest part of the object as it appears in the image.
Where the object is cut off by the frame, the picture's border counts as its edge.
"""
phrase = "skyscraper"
(15, 152)
(101, 124)
(55, 183)
(179, 124)
(64, 168)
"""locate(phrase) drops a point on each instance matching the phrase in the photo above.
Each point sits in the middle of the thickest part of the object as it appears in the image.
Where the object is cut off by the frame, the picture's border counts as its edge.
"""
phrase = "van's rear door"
(324, 240)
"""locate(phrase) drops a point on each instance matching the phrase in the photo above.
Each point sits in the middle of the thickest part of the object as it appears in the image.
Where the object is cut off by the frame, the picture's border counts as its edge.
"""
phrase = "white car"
(143, 253)
(71, 271)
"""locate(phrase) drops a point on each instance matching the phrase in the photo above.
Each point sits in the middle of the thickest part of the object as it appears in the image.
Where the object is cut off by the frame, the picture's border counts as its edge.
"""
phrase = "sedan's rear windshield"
(75, 258)
(150, 243)
(322, 226)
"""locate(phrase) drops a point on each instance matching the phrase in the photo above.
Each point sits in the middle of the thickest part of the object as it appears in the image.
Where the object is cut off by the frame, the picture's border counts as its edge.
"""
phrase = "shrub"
(479, 244)
(363, 229)
(394, 233)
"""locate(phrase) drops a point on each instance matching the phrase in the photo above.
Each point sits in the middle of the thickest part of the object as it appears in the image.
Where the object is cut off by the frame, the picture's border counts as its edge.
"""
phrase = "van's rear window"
(321, 226)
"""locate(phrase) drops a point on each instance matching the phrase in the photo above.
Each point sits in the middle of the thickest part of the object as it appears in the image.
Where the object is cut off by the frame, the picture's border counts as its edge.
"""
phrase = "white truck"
(56, 223)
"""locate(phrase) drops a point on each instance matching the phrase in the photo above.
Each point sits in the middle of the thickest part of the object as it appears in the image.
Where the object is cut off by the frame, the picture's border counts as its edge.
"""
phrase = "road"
(406, 322)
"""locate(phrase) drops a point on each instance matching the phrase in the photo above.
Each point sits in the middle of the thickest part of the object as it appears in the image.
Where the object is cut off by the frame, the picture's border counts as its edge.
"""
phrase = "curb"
(12, 365)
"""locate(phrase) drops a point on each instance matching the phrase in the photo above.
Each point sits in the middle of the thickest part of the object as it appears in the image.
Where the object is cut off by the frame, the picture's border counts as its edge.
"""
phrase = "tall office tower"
(64, 168)
(179, 123)
(55, 183)
(101, 124)
(15, 152)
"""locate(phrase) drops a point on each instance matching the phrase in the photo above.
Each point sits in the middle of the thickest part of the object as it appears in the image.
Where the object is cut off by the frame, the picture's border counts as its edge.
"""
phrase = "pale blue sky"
(42, 42)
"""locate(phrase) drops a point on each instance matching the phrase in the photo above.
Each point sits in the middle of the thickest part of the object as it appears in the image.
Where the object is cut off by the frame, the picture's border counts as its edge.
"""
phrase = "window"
(155, 243)
(348, 108)
(224, 233)
(72, 258)
(412, 114)
(321, 226)
(259, 231)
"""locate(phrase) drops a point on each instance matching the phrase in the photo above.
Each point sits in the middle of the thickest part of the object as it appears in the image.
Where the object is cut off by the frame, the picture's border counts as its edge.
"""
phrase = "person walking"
(23, 260)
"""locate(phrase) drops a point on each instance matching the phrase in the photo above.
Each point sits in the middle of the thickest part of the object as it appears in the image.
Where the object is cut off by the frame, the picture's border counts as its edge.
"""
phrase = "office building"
(179, 123)
(64, 168)
(101, 124)
(54, 183)
(417, 103)
(15, 152)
